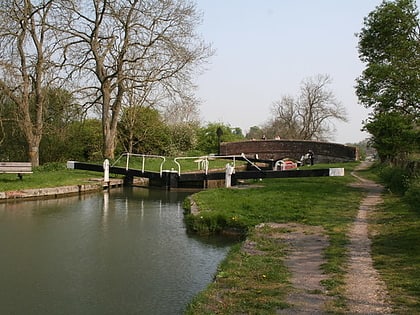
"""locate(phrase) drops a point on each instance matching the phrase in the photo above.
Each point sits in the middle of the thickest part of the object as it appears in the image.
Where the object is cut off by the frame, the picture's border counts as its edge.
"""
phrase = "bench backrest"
(15, 167)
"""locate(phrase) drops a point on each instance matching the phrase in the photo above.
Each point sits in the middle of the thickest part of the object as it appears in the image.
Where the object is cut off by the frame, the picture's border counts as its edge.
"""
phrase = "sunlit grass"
(396, 252)
(245, 283)
(43, 177)
(322, 201)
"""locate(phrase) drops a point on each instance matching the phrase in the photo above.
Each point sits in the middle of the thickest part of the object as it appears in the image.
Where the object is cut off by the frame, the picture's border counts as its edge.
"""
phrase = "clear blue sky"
(265, 48)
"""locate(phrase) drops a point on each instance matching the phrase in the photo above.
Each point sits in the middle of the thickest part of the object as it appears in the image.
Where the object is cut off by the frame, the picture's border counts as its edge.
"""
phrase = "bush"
(396, 179)
(52, 167)
(412, 195)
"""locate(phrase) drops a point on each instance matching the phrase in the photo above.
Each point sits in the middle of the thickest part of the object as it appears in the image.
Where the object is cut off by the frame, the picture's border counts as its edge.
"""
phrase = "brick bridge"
(324, 152)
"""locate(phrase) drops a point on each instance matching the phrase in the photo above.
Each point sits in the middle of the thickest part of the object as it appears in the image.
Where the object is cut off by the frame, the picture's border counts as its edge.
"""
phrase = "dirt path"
(306, 245)
(365, 292)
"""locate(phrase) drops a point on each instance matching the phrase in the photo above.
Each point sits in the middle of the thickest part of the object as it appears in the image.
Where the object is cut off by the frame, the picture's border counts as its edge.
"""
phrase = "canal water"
(120, 252)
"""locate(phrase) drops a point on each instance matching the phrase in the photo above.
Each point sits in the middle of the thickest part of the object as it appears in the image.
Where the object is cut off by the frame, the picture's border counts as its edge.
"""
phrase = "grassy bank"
(51, 175)
(258, 283)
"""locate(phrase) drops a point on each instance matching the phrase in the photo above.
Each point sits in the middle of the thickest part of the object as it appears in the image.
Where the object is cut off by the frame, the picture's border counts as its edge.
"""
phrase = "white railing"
(203, 161)
(250, 162)
(143, 156)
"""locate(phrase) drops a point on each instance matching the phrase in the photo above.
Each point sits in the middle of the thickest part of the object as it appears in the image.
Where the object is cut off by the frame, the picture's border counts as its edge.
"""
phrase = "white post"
(228, 176)
(106, 171)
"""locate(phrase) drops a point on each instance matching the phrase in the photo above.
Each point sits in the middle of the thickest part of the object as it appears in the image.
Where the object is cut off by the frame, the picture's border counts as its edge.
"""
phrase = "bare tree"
(309, 116)
(182, 111)
(132, 46)
(285, 121)
(27, 61)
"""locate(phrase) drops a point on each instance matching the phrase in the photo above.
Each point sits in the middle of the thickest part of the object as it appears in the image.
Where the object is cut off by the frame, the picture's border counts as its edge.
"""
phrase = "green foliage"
(394, 135)
(183, 138)
(208, 141)
(214, 223)
(51, 167)
(13, 146)
(412, 195)
(142, 130)
(389, 45)
(85, 140)
(255, 132)
(396, 179)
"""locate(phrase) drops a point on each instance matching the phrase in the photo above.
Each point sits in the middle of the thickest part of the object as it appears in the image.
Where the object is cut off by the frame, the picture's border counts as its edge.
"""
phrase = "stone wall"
(324, 152)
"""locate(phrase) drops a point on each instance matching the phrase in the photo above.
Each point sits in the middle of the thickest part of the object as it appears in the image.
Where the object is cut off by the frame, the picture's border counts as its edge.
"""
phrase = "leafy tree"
(85, 138)
(308, 116)
(183, 138)
(59, 116)
(394, 136)
(255, 132)
(389, 44)
(208, 139)
(142, 130)
(13, 145)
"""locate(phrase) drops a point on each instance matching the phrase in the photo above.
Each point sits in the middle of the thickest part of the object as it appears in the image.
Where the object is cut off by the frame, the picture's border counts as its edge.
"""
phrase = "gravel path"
(365, 292)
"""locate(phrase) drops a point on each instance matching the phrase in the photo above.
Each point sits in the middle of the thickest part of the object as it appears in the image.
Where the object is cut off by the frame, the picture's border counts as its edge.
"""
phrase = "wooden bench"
(18, 168)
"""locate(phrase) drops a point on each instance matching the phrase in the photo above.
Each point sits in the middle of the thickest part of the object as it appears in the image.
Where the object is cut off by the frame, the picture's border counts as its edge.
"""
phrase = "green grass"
(246, 284)
(322, 201)
(396, 252)
(52, 175)
(304, 200)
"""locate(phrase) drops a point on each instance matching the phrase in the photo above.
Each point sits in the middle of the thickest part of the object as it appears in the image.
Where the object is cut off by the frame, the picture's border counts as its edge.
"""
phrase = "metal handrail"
(250, 162)
(143, 156)
(204, 159)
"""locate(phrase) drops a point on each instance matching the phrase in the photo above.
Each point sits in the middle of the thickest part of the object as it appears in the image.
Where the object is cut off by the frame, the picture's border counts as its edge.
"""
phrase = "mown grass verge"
(51, 175)
(240, 285)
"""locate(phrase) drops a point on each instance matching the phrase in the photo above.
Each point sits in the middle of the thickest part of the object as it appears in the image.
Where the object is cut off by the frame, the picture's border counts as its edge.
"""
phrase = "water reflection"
(121, 252)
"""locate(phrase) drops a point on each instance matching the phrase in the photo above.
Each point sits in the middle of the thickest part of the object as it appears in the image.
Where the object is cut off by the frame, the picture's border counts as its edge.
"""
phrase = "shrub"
(412, 195)
(51, 167)
(396, 179)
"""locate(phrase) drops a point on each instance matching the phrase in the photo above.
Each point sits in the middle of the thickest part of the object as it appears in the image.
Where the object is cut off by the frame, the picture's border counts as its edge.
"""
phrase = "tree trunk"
(33, 152)
(109, 143)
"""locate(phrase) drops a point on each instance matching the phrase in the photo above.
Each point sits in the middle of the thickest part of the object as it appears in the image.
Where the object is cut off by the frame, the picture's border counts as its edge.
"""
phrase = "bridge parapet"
(324, 152)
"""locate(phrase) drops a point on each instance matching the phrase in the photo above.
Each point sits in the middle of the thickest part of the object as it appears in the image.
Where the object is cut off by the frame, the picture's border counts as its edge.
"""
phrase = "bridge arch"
(324, 152)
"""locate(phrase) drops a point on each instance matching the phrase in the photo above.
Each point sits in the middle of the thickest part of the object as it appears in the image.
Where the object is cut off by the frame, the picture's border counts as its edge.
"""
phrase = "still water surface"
(122, 252)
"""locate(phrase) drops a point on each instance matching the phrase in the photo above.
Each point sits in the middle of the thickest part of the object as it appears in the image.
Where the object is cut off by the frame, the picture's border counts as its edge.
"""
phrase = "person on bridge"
(311, 156)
